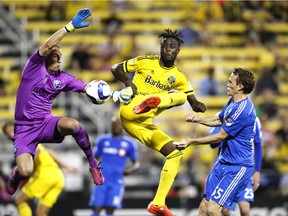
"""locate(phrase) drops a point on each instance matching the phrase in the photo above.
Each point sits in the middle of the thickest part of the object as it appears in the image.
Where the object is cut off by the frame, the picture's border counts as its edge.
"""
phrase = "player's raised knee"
(25, 171)
(68, 125)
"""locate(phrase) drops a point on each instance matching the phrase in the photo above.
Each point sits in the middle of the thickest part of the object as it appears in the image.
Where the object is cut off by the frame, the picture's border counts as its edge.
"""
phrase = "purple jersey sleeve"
(34, 65)
(70, 83)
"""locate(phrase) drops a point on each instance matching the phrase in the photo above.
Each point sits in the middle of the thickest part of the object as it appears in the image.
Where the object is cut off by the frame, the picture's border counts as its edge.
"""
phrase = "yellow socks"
(172, 99)
(167, 177)
(24, 209)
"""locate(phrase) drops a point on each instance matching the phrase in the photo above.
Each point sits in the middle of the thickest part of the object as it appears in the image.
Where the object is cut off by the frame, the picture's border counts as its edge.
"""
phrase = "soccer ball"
(98, 91)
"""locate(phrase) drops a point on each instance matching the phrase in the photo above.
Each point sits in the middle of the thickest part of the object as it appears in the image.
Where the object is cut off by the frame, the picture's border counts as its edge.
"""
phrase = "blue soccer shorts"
(110, 194)
(225, 183)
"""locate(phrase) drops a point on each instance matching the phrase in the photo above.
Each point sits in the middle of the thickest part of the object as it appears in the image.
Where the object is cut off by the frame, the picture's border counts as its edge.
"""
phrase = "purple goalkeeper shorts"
(27, 137)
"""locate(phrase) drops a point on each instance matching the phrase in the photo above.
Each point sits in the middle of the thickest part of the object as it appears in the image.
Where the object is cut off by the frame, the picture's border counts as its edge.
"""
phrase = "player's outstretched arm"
(206, 140)
(119, 74)
(76, 23)
(61, 162)
(207, 121)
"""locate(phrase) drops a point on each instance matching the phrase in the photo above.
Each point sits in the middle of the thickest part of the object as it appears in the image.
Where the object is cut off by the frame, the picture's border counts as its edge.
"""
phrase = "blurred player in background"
(245, 197)
(47, 181)
(234, 168)
(158, 84)
(114, 149)
(4, 196)
(41, 82)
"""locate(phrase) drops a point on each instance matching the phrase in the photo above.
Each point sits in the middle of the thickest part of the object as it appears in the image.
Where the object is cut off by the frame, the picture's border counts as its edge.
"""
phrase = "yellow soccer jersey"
(151, 77)
(43, 160)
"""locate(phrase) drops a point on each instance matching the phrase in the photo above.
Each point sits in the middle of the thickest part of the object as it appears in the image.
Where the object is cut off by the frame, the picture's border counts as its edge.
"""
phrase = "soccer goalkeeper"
(147, 95)
(41, 82)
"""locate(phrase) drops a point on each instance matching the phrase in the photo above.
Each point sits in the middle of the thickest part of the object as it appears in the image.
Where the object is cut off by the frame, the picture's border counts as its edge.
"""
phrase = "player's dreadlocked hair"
(172, 34)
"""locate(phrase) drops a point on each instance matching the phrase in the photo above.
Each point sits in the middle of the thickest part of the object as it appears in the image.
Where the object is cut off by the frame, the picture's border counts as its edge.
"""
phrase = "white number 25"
(217, 192)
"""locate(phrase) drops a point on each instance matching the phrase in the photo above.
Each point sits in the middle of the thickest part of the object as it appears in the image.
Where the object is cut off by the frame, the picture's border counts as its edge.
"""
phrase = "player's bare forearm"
(51, 42)
(77, 22)
(196, 105)
(119, 74)
(55, 157)
(215, 138)
(256, 180)
(61, 162)
(207, 140)
(207, 121)
(210, 122)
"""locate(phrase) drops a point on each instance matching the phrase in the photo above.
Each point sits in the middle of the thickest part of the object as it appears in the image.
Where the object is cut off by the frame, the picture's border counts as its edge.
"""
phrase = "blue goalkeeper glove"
(77, 21)
(123, 96)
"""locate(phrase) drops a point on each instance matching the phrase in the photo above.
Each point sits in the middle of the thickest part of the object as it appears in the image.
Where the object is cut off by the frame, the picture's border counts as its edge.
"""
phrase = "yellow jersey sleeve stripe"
(125, 66)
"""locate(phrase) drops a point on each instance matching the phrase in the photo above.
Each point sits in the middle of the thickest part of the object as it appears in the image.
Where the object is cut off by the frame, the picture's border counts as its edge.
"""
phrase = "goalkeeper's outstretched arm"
(76, 23)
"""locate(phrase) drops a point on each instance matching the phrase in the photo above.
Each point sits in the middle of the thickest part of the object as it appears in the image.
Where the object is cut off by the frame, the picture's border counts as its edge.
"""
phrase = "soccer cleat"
(159, 210)
(23, 182)
(97, 175)
(12, 186)
(147, 104)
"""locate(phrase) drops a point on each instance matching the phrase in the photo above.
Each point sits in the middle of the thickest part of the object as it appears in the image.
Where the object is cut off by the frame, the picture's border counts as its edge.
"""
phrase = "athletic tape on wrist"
(69, 27)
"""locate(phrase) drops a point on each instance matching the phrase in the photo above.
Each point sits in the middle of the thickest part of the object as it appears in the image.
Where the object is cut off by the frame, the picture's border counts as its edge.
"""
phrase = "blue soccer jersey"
(114, 153)
(239, 122)
(258, 146)
(257, 143)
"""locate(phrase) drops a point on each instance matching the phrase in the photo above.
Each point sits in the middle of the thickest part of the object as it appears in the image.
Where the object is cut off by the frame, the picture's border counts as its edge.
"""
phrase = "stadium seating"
(6, 63)
(283, 88)
(193, 60)
(27, 4)
(6, 115)
(227, 54)
(7, 102)
(91, 75)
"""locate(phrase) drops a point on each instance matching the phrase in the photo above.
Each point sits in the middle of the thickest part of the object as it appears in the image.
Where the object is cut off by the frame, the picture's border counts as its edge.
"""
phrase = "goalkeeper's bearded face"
(53, 61)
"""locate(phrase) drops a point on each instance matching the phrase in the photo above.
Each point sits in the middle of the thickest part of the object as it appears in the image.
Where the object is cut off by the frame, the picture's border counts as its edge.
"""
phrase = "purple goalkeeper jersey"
(38, 89)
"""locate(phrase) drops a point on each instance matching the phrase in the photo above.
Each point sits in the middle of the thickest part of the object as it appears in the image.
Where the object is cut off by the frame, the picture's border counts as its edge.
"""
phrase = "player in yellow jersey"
(47, 181)
(158, 84)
